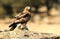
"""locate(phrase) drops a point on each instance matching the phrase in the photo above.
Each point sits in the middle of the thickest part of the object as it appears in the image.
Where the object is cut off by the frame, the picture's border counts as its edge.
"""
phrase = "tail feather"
(13, 26)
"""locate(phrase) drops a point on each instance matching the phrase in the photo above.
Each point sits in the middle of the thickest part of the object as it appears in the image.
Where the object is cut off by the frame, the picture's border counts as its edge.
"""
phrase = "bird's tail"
(13, 26)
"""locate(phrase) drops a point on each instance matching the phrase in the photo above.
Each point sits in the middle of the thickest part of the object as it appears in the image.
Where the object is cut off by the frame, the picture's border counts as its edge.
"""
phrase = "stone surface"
(24, 34)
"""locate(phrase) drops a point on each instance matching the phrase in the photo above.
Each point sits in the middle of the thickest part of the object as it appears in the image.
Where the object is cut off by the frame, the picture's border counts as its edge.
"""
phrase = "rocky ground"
(36, 31)
(24, 34)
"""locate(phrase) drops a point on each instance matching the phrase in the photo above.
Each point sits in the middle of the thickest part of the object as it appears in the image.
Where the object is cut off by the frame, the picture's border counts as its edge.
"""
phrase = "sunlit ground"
(36, 26)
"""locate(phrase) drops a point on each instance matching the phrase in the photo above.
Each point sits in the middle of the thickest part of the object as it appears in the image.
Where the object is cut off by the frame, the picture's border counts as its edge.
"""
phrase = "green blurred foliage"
(20, 4)
(17, 3)
(25, 2)
(2, 12)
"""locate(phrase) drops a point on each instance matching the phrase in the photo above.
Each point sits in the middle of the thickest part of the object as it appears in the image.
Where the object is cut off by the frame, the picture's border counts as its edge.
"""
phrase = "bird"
(21, 18)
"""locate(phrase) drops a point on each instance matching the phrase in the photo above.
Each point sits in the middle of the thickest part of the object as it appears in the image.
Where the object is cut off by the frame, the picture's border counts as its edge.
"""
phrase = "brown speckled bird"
(22, 18)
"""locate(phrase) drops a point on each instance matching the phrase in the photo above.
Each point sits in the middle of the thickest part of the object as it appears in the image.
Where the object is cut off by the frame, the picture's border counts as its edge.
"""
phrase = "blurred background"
(45, 14)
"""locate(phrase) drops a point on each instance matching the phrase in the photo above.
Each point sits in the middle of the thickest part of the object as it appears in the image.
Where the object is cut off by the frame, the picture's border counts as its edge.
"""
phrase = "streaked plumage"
(21, 18)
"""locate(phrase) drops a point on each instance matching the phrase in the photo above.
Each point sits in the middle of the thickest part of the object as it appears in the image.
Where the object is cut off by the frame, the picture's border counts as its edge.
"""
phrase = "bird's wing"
(17, 15)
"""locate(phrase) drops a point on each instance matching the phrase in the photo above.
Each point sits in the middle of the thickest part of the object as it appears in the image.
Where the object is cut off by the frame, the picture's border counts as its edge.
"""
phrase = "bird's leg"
(19, 26)
(24, 27)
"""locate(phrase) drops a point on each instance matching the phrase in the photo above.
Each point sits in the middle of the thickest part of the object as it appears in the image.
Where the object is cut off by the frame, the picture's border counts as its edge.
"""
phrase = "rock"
(42, 9)
(24, 34)
(54, 12)
(54, 20)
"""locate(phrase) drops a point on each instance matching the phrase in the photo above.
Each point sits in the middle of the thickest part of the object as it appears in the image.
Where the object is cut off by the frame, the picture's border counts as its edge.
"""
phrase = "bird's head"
(27, 9)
